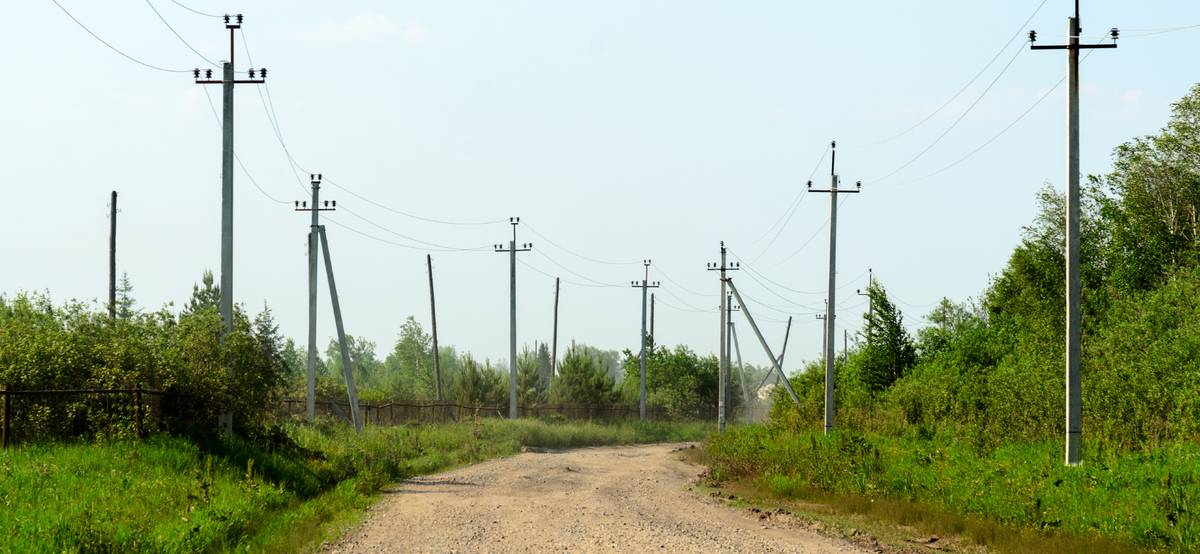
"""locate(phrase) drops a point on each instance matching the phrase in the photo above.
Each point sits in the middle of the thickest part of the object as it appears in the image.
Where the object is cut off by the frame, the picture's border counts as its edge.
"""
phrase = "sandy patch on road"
(610, 499)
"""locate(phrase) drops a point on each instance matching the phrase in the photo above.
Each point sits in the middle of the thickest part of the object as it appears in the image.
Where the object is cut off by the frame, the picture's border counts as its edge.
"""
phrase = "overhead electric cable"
(960, 117)
(576, 273)
(197, 12)
(414, 239)
(791, 211)
(964, 88)
(681, 286)
(180, 37)
(237, 158)
(576, 254)
(993, 138)
(114, 48)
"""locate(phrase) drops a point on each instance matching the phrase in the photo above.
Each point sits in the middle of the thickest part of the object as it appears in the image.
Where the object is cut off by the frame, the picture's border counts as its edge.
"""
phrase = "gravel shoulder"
(607, 499)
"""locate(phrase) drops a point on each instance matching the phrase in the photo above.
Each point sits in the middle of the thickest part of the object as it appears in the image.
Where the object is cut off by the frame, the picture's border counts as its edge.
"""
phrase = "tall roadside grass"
(278, 493)
(1146, 499)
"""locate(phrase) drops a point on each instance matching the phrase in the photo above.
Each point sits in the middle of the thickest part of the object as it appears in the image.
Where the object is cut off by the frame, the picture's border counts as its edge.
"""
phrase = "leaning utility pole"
(316, 208)
(786, 333)
(723, 362)
(1074, 316)
(512, 312)
(227, 81)
(554, 340)
(830, 309)
(737, 349)
(112, 257)
(645, 284)
(777, 363)
(347, 367)
(437, 366)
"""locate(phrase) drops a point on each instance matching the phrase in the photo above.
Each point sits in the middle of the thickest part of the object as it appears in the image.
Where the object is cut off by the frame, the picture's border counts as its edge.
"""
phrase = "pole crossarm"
(774, 361)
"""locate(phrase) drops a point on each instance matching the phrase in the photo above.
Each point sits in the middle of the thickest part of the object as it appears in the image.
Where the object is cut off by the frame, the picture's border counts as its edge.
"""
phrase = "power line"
(576, 273)
(960, 117)
(414, 239)
(993, 138)
(576, 254)
(273, 116)
(969, 83)
(806, 242)
(180, 37)
(791, 211)
(686, 310)
(683, 288)
(114, 48)
(197, 12)
(421, 248)
(237, 158)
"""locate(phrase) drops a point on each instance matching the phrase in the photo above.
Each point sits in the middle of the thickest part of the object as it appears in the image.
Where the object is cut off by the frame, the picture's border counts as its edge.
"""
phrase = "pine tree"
(205, 295)
(889, 351)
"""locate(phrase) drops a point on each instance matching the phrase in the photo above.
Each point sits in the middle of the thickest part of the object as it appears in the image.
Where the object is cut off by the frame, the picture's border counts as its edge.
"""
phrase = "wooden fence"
(64, 413)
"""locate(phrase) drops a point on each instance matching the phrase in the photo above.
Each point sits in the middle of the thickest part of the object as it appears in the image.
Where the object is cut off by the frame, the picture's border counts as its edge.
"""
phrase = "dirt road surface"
(613, 499)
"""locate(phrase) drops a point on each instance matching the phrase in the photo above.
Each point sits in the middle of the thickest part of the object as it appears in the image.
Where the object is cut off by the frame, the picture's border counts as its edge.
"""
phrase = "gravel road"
(612, 499)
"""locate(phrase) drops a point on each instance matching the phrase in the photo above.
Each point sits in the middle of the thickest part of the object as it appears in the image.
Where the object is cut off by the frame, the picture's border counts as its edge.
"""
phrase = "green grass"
(1148, 500)
(280, 493)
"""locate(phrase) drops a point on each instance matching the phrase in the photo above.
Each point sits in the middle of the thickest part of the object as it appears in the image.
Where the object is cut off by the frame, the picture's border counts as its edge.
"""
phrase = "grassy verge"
(1014, 498)
(282, 493)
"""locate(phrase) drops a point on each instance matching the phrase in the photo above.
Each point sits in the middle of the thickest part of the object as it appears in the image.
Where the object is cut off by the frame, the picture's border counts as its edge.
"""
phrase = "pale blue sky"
(620, 129)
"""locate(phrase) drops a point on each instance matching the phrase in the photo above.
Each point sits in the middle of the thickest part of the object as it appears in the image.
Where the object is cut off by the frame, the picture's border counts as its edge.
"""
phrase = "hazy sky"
(620, 130)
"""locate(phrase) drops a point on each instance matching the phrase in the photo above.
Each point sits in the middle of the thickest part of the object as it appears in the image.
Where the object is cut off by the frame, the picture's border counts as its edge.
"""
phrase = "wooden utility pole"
(554, 340)
(437, 365)
(112, 257)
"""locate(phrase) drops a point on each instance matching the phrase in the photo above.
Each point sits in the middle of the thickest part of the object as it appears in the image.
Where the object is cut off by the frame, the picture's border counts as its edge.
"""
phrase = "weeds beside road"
(1008, 497)
(283, 492)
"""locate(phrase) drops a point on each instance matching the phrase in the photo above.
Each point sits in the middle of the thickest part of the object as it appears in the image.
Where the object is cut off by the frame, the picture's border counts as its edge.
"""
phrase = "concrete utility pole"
(315, 208)
(645, 284)
(437, 365)
(730, 307)
(737, 349)
(787, 333)
(347, 367)
(227, 81)
(112, 257)
(831, 306)
(554, 339)
(512, 309)
(723, 361)
(1074, 316)
(776, 362)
